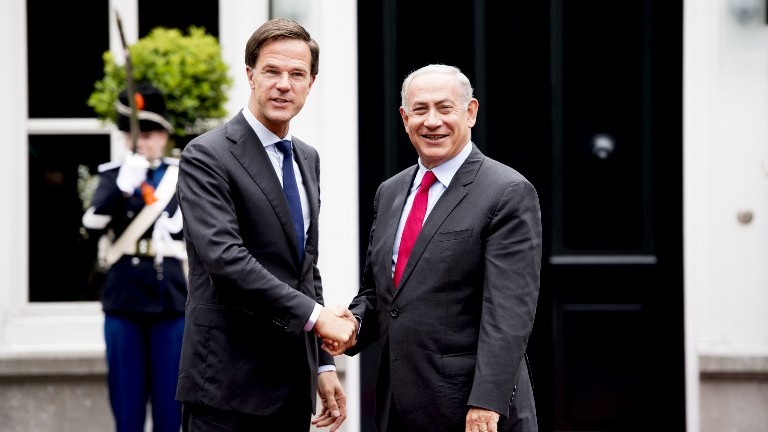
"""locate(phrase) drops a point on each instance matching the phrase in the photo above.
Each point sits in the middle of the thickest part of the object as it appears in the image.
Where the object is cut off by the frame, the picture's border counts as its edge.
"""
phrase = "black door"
(585, 99)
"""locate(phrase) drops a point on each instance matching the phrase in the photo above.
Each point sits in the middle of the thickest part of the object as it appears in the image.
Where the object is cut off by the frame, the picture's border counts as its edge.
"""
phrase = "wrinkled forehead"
(432, 88)
(285, 52)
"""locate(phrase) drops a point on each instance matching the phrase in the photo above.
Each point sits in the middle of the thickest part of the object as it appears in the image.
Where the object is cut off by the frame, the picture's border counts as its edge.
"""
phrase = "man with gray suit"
(251, 355)
(451, 278)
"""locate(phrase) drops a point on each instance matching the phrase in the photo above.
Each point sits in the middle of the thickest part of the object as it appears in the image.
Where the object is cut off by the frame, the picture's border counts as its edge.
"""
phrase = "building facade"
(643, 127)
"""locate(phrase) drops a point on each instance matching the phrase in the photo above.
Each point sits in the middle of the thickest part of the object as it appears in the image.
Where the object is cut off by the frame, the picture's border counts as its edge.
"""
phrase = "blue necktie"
(291, 190)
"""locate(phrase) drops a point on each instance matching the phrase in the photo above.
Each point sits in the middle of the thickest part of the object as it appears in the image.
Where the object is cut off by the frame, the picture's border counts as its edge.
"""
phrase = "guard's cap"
(150, 107)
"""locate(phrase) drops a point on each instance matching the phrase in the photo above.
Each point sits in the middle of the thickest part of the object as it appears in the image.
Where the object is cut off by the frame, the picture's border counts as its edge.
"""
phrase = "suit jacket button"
(394, 312)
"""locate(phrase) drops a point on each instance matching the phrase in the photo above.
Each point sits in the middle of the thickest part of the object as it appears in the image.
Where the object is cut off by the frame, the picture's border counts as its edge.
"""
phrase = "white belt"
(149, 248)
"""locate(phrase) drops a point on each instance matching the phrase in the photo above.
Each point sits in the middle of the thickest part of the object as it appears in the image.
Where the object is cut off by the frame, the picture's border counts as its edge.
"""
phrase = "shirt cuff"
(359, 325)
(326, 368)
(313, 318)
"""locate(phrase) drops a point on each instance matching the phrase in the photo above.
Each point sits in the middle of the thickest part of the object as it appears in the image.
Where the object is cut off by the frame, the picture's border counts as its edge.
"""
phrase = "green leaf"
(188, 69)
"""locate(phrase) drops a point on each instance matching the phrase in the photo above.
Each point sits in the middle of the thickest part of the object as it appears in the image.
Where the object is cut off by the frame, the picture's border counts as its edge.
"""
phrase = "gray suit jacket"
(454, 333)
(249, 295)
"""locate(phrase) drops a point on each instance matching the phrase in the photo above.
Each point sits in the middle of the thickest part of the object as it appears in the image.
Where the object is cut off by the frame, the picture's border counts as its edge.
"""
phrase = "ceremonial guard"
(134, 210)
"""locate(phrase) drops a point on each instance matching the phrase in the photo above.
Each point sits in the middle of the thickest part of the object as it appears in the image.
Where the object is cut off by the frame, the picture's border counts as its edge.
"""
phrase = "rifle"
(131, 87)
(147, 191)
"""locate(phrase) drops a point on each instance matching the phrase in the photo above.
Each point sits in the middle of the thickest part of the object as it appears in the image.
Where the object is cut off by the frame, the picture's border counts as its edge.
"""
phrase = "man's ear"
(404, 116)
(249, 75)
(472, 109)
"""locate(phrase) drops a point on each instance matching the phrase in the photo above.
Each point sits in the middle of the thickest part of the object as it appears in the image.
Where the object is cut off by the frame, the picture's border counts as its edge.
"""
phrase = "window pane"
(61, 256)
(65, 43)
(179, 14)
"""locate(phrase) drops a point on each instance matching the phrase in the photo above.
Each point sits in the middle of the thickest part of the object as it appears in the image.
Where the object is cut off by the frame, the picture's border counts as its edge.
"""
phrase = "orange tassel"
(148, 192)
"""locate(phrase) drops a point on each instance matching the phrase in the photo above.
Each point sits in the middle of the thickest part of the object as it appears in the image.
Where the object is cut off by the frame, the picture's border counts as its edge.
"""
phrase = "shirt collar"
(446, 170)
(155, 164)
(265, 135)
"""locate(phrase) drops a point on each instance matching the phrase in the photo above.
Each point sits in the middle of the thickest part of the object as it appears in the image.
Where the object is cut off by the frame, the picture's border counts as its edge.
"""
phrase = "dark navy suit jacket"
(249, 294)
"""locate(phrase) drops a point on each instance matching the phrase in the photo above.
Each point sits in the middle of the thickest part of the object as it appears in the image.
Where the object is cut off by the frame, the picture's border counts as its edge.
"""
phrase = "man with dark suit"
(251, 355)
(453, 301)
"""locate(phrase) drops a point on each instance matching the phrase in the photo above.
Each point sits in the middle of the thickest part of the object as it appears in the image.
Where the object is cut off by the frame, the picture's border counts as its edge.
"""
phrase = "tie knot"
(428, 180)
(285, 147)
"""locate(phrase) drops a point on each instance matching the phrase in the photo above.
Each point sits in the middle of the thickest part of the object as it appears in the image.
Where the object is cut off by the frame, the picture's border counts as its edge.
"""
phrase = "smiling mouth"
(433, 137)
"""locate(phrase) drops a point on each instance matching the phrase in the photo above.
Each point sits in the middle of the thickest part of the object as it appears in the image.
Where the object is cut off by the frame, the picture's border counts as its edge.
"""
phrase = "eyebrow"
(438, 103)
(268, 64)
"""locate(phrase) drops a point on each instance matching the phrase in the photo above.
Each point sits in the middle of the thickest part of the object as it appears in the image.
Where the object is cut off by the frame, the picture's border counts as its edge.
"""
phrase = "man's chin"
(280, 115)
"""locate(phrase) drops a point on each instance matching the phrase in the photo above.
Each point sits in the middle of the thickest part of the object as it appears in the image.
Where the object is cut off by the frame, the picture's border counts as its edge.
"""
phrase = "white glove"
(132, 173)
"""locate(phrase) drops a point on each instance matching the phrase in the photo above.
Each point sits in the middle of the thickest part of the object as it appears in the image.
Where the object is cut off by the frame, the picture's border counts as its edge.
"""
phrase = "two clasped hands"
(338, 328)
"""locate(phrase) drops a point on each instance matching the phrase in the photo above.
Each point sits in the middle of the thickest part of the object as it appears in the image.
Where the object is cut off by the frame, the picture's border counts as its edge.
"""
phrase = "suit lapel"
(452, 196)
(392, 220)
(250, 152)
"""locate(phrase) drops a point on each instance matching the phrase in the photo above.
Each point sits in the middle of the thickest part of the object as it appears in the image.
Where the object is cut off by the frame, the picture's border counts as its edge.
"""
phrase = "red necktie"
(413, 224)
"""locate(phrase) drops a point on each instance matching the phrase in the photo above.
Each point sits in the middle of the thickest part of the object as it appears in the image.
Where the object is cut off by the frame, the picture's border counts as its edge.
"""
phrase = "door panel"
(601, 108)
(599, 346)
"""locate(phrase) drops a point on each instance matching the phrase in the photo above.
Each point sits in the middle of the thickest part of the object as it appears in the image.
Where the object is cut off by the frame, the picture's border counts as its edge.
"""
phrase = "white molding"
(78, 126)
(129, 16)
(696, 97)
(733, 366)
(13, 164)
(78, 364)
(63, 327)
(238, 20)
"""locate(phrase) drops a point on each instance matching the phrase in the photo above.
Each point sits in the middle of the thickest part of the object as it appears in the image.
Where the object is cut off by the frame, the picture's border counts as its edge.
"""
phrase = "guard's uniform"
(143, 300)
(135, 284)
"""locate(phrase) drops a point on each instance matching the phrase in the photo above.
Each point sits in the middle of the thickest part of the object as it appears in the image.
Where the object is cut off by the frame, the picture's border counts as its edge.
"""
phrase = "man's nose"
(433, 119)
(284, 81)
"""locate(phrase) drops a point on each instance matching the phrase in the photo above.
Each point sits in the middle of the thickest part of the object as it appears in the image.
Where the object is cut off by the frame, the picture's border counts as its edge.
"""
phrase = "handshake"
(338, 328)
